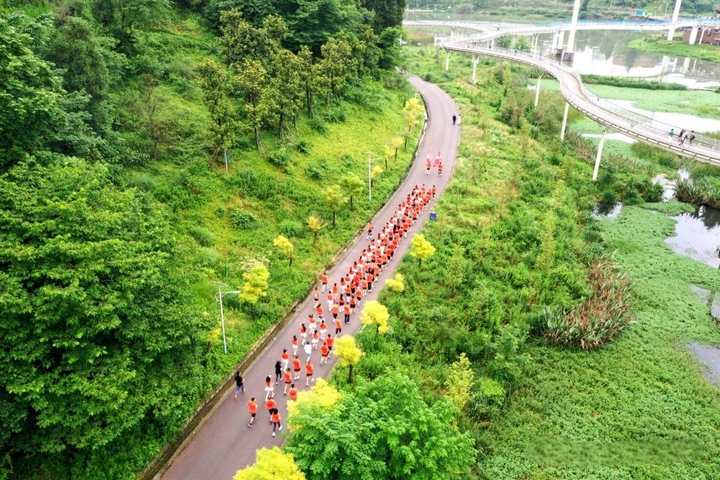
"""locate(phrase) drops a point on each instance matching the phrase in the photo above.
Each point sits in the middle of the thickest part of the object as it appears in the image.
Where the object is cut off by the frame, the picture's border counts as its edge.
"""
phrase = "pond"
(698, 235)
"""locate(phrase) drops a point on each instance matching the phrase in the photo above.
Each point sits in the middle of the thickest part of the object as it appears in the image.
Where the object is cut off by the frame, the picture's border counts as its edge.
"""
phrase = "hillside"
(118, 214)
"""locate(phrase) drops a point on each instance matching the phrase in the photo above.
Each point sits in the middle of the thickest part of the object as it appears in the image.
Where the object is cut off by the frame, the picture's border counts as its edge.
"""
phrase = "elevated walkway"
(641, 128)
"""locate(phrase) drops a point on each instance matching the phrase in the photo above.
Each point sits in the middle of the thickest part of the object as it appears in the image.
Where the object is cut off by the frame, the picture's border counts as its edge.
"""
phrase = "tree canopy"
(383, 430)
(95, 321)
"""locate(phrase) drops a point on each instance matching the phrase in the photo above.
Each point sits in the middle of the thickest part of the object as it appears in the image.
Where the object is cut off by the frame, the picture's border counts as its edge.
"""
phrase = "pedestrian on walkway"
(672, 132)
(303, 332)
(270, 404)
(369, 230)
(315, 339)
(316, 295)
(440, 167)
(288, 380)
(308, 351)
(293, 392)
(308, 373)
(278, 371)
(338, 325)
(324, 351)
(330, 341)
(285, 357)
(252, 408)
(294, 343)
(269, 388)
(691, 137)
(346, 313)
(324, 279)
(454, 118)
(428, 165)
(323, 330)
(239, 386)
(297, 367)
(335, 310)
(275, 419)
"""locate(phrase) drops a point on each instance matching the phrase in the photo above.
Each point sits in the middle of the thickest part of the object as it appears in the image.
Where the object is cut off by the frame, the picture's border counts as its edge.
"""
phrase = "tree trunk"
(334, 213)
(315, 239)
(281, 125)
(350, 374)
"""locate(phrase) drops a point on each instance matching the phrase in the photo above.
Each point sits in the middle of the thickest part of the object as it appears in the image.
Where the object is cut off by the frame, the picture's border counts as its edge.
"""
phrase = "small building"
(706, 35)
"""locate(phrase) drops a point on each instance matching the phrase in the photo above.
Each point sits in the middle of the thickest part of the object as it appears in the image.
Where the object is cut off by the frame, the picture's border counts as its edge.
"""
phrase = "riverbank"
(676, 48)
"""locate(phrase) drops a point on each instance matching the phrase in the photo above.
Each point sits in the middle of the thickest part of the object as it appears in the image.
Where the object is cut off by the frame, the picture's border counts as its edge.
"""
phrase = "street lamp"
(369, 154)
(222, 312)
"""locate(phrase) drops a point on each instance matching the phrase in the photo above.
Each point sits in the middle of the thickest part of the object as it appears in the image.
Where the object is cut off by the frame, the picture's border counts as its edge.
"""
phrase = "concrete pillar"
(702, 34)
(475, 60)
(447, 61)
(686, 65)
(599, 155)
(564, 122)
(573, 26)
(537, 90)
(676, 15)
(492, 43)
(693, 35)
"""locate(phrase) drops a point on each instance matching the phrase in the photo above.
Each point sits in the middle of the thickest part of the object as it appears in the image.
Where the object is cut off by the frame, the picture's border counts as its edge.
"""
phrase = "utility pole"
(222, 312)
(369, 154)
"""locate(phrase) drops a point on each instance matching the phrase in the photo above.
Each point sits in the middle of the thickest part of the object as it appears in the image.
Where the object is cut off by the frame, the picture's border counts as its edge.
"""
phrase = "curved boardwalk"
(640, 128)
(224, 444)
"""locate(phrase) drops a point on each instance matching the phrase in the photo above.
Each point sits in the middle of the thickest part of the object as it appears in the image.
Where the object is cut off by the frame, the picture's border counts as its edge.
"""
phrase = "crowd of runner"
(335, 304)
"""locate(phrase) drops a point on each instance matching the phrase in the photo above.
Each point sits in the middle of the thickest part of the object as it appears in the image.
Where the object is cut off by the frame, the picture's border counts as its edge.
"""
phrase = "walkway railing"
(640, 127)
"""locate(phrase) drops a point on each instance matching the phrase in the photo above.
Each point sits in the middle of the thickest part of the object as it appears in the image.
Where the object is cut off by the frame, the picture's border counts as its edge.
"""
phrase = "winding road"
(223, 444)
(703, 149)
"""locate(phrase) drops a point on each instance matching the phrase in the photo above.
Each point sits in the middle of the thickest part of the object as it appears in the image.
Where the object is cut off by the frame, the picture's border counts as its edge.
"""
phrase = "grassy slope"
(201, 198)
(677, 48)
(641, 392)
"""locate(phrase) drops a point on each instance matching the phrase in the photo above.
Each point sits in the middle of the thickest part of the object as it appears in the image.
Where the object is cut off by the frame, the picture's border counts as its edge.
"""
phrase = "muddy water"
(698, 235)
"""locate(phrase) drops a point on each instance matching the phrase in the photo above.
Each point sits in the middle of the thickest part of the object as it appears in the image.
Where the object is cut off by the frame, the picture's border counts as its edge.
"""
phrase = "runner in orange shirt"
(335, 310)
(270, 404)
(323, 330)
(275, 419)
(308, 373)
(338, 324)
(330, 341)
(293, 392)
(303, 332)
(288, 380)
(324, 351)
(319, 311)
(324, 280)
(315, 339)
(369, 230)
(346, 313)
(252, 408)
(297, 367)
(294, 342)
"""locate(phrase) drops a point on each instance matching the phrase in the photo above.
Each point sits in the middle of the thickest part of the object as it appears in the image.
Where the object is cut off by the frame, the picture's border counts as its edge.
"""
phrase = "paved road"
(224, 444)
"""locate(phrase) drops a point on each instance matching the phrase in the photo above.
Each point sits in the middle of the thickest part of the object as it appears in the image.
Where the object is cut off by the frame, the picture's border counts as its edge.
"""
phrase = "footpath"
(224, 444)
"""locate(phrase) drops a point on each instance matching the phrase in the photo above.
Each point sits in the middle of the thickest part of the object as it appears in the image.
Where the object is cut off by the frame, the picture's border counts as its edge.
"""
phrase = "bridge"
(644, 129)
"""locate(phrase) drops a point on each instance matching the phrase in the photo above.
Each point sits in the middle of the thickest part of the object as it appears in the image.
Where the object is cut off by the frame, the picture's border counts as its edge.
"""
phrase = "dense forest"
(119, 119)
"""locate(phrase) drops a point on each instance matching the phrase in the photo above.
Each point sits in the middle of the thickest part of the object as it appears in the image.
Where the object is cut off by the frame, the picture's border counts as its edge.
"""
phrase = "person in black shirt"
(239, 386)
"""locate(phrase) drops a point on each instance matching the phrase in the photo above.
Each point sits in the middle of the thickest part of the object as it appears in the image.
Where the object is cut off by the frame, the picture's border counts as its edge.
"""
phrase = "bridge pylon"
(676, 15)
(599, 155)
(475, 60)
(564, 122)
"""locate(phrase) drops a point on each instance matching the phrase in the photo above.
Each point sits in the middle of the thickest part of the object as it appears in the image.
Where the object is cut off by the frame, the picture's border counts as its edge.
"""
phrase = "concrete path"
(224, 443)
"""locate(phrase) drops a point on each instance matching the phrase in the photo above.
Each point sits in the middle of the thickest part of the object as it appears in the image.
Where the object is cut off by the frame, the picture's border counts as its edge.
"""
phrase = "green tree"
(256, 284)
(522, 44)
(122, 17)
(421, 248)
(388, 13)
(312, 22)
(309, 78)
(454, 272)
(460, 381)
(271, 464)
(288, 88)
(396, 143)
(396, 283)
(375, 313)
(243, 41)
(215, 83)
(335, 200)
(336, 64)
(97, 330)
(72, 46)
(258, 96)
(315, 224)
(352, 186)
(285, 248)
(413, 111)
(36, 113)
(381, 430)
(347, 351)
(504, 41)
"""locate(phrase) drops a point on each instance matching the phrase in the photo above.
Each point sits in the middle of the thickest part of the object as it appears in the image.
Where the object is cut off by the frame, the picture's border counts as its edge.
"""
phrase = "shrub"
(600, 318)
(292, 228)
(255, 184)
(243, 220)
(202, 235)
(207, 257)
(303, 146)
(280, 157)
(335, 115)
(317, 125)
(315, 172)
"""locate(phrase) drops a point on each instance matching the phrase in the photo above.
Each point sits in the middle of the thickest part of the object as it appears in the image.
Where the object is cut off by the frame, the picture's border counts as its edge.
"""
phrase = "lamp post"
(222, 312)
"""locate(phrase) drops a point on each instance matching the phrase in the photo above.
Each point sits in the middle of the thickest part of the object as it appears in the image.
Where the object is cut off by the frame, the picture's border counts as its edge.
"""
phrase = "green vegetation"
(139, 162)
(514, 240)
(676, 48)
(630, 83)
